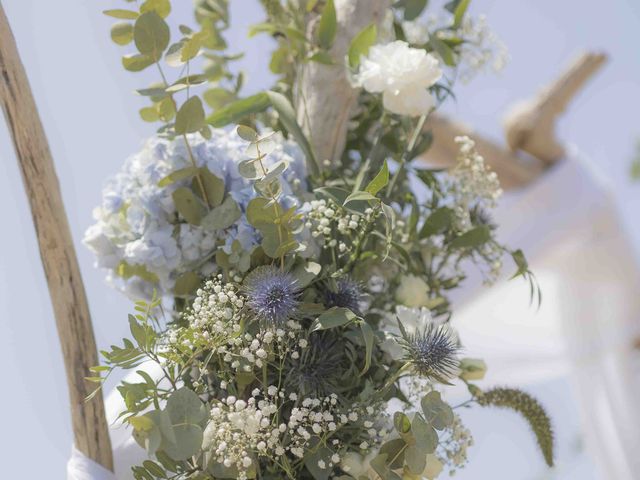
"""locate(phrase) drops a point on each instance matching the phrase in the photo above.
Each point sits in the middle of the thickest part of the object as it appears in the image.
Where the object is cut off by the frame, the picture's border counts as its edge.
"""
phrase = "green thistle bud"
(529, 408)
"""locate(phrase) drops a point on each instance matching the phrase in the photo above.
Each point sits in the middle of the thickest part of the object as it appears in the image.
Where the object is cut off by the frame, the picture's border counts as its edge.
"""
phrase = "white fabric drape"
(568, 225)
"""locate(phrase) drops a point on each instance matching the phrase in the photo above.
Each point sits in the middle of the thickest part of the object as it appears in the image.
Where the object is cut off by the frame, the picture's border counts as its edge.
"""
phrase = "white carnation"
(402, 74)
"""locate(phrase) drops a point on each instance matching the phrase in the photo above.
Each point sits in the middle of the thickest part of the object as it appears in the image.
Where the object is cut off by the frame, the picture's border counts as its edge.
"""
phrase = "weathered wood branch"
(513, 171)
(325, 98)
(530, 125)
(56, 250)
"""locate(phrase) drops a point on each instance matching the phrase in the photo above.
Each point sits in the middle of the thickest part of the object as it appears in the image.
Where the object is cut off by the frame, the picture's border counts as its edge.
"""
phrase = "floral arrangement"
(298, 306)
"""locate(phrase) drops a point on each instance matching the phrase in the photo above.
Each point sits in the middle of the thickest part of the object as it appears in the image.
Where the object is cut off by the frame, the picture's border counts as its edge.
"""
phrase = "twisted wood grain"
(58, 256)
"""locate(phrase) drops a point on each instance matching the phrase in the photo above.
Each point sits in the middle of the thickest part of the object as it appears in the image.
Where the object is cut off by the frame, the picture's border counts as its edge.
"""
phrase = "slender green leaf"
(361, 43)
(239, 109)
(121, 14)
(379, 181)
(288, 118)
(328, 26)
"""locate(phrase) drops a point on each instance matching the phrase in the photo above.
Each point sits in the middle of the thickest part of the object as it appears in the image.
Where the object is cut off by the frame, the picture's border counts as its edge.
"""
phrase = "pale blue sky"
(89, 113)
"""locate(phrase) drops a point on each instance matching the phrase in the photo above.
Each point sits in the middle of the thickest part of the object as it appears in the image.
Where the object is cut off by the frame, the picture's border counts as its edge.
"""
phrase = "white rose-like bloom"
(412, 291)
(137, 226)
(402, 74)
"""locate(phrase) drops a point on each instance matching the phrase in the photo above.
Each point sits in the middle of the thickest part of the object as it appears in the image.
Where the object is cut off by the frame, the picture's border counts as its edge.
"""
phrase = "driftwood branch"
(513, 171)
(56, 250)
(325, 97)
(530, 125)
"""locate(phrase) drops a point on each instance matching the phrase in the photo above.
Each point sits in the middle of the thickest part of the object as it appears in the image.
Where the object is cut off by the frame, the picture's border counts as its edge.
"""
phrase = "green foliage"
(328, 27)
(287, 116)
(372, 227)
(412, 8)
(238, 110)
(190, 117)
(361, 44)
(151, 35)
(332, 318)
(529, 408)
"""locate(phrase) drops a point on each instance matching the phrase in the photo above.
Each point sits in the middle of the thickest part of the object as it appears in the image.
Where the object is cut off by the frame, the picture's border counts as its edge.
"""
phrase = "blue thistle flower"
(272, 294)
(433, 352)
(347, 293)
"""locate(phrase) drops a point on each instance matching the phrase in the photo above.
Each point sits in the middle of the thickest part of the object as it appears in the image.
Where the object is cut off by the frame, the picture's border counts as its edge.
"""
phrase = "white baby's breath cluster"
(402, 74)
(212, 320)
(454, 444)
(138, 235)
(473, 181)
(327, 221)
(239, 431)
(481, 50)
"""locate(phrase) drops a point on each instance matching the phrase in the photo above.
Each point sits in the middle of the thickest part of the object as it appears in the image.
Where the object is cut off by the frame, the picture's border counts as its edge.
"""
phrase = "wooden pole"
(91, 435)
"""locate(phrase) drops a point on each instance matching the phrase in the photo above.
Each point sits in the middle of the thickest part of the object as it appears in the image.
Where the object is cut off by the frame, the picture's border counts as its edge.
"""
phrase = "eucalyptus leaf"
(121, 14)
(218, 97)
(247, 133)
(425, 435)
(137, 63)
(190, 116)
(213, 186)
(188, 205)
(222, 216)
(415, 459)
(122, 33)
(178, 175)
(436, 412)
(401, 422)
(161, 7)
(151, 35)
(186, 284)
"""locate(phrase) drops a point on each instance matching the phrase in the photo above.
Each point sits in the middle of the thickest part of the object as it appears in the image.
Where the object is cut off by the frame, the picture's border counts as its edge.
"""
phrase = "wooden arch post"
(91, 434)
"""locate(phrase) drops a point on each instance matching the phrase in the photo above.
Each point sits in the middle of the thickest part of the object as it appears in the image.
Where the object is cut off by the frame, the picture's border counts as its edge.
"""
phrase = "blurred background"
(89, 112)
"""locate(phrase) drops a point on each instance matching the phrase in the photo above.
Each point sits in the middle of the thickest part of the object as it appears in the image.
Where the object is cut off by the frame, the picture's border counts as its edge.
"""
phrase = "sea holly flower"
(347, 294)
(432, 351)
(272, 295)
(402, 74)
